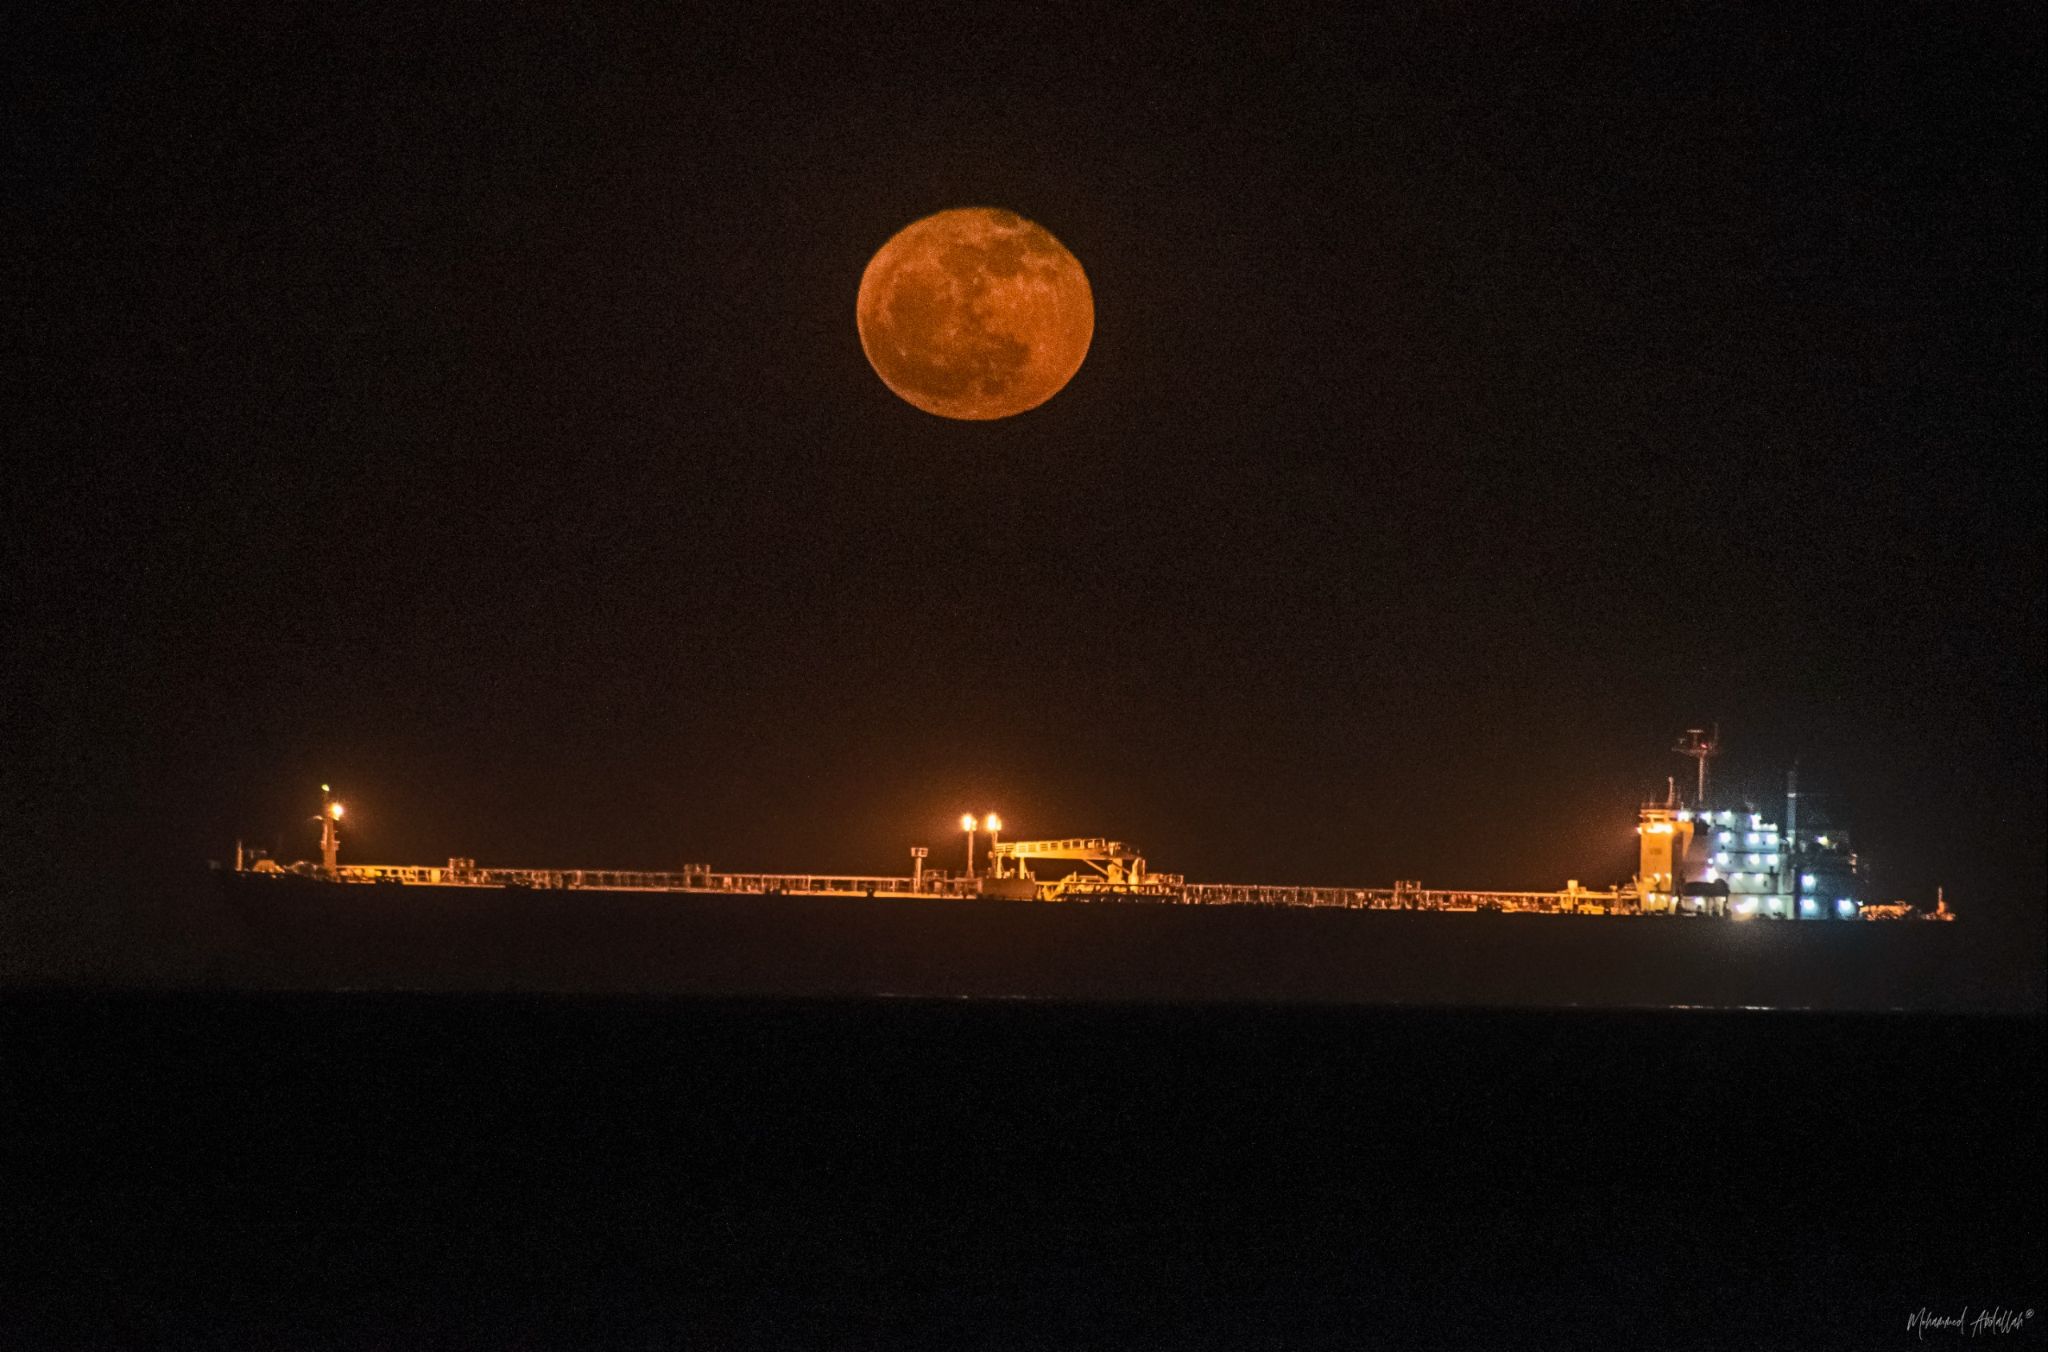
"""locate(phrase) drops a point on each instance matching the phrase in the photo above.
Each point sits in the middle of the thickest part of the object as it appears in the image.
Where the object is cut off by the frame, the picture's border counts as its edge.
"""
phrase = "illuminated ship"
(1108, 926)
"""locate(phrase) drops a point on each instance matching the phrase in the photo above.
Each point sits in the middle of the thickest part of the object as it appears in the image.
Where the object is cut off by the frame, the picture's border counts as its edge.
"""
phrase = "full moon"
(975, 313)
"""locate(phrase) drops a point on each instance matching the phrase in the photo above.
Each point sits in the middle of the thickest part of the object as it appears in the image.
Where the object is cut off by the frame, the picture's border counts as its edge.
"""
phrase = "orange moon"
(975, 313)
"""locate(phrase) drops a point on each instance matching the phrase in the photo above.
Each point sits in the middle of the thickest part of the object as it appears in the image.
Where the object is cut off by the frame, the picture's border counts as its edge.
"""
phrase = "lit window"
(1727, 836)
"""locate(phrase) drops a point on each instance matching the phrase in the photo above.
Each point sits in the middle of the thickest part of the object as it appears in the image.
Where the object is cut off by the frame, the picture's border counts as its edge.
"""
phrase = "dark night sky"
(467, 409)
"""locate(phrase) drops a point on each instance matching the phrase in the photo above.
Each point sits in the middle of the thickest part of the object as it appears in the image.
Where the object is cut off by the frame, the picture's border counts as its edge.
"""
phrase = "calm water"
(359, 1171)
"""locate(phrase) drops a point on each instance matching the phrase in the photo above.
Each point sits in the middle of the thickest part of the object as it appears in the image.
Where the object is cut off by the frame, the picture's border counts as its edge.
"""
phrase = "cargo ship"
(1089, 918)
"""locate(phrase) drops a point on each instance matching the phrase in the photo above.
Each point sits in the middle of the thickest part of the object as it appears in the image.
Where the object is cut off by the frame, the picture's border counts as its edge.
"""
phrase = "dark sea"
(359, 1171)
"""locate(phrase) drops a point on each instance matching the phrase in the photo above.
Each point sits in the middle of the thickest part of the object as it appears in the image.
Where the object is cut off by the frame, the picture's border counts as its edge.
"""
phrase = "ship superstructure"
(1698, 857)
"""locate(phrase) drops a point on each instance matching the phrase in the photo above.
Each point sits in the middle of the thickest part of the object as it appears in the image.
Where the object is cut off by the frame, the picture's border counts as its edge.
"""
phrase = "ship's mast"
(330, 830)
(1796, 892)
(1702, 747)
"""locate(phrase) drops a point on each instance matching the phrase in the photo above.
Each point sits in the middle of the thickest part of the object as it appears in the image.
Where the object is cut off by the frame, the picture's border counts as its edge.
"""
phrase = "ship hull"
(304, 932)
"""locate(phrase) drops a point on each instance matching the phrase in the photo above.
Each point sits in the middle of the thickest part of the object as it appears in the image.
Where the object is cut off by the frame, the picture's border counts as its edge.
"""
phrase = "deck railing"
(1166, 888)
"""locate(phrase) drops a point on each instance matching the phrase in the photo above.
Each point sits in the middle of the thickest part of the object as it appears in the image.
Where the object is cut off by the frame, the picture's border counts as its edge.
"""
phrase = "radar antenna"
(1702, 747)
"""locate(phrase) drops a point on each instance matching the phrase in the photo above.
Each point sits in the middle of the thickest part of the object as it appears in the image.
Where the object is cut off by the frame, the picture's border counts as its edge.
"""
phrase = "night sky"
(465, 408)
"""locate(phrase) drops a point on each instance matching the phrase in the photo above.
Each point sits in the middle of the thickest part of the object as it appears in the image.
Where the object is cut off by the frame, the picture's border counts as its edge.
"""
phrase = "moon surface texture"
(975, 313)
